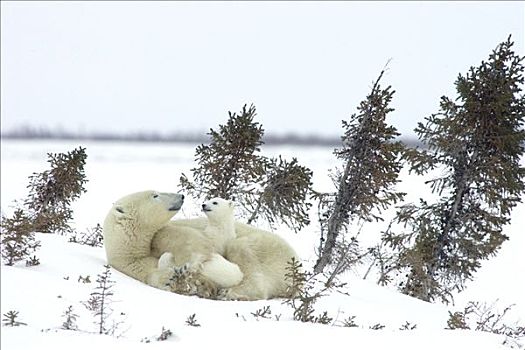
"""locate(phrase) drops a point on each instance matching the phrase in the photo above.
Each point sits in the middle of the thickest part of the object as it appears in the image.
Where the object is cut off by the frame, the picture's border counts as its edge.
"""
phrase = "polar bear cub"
(221, 224)
(220, 229)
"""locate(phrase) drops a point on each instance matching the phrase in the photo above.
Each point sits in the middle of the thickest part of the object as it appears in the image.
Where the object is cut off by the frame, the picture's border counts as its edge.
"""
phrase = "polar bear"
(263, 257)
(221, 224)
(129, 229)
(138, 230)
(219, 230)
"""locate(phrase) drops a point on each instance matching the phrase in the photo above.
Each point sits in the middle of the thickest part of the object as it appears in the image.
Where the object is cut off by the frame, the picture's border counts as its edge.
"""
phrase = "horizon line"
(185, 137)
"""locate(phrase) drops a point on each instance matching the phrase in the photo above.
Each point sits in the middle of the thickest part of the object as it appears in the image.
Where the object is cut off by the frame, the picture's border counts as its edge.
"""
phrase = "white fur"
(166, 261)
(219, 230)
(222, 272)
(217, 269)
(221, 224)
(261, 256)
(129, 228)
(138, 230)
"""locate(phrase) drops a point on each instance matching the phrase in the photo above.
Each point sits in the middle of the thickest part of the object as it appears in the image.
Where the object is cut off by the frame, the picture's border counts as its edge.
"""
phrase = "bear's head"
(218, 209)
(147, 210)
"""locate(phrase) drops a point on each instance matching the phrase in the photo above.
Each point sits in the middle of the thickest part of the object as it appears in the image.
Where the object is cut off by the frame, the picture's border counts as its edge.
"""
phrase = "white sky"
(180, 66)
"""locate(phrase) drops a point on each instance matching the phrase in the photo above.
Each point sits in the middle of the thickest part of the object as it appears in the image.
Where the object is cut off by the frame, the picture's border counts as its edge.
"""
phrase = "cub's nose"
(204, 206)
(182, 196)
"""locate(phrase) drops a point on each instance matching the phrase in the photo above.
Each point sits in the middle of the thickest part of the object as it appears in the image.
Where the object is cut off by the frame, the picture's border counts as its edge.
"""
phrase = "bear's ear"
(119, 210)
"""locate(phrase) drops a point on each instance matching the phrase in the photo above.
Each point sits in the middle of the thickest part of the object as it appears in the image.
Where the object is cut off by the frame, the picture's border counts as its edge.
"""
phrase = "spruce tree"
(364, 187)
(477, 142)
(52, 191)
(231, 167)
(230, 164)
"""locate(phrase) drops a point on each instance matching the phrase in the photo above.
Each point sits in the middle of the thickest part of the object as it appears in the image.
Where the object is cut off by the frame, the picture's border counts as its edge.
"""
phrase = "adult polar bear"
(138, 230)
(129, 229)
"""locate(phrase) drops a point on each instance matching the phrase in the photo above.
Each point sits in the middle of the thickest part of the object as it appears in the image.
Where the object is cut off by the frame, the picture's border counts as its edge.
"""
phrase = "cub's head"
(218, 209)
(148, 210)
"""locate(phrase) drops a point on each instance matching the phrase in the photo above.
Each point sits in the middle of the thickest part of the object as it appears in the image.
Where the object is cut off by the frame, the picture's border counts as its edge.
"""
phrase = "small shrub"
(192, 321)
(407, 326)
(18, 239)
(100, 302)
(164, 335)
(350, 322)
(457, 320)
(264, 312)
(482, 317)
(377, 326)
(82, 279)
(92, 237)
(323, 318)
(10, 319)
(33, 261)
(70, 319)
(304, 291)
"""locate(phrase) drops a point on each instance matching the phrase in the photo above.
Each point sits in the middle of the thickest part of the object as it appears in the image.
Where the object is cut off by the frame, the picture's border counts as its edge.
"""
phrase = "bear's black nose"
(182, 196)
(203, 206)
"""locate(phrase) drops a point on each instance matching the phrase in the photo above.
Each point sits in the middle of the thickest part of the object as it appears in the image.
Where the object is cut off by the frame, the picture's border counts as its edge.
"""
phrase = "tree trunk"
(335, 222)
(344, 201)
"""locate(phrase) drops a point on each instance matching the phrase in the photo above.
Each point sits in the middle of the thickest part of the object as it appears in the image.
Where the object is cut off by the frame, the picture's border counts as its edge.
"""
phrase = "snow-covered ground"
(41, 294)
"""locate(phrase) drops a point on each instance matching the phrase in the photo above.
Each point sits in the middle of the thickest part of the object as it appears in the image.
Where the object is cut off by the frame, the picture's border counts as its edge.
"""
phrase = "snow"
(42, 293)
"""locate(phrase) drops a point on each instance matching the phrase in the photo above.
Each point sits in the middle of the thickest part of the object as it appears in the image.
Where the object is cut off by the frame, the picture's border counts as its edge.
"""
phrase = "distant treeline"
(289, 139)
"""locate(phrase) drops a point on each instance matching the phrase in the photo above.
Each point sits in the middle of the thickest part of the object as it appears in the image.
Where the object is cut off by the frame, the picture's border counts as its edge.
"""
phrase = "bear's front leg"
(166, 272)
(166, 261)
(161, 275)
(221, 271)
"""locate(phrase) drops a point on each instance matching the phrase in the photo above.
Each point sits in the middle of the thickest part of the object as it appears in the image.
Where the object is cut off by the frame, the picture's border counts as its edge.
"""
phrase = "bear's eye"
(215, 203)
(155, 195)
